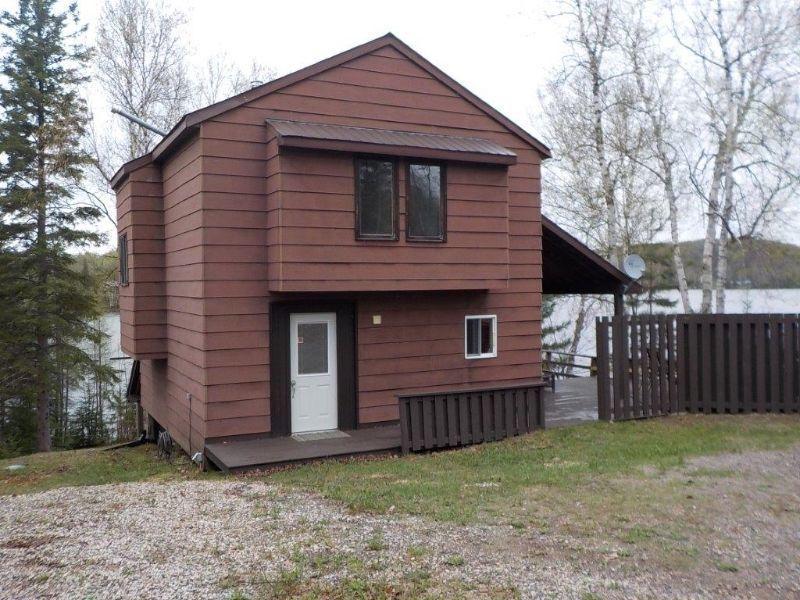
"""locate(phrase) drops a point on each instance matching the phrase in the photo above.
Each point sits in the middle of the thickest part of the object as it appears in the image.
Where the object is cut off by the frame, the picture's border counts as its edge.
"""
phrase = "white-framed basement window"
(480, 336)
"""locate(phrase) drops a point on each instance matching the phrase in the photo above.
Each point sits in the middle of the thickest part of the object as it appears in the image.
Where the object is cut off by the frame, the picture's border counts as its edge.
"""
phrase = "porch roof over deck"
(570, 267)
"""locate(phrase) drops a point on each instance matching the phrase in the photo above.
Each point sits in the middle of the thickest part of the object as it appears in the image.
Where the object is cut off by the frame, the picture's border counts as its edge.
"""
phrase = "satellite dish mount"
(634, 266)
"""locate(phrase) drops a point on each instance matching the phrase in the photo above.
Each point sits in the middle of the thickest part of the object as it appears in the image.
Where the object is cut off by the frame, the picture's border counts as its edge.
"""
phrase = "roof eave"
(122, 173)
(630, 285)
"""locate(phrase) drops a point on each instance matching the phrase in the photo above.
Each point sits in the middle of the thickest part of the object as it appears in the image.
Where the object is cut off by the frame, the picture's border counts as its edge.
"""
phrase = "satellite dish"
(634, 266)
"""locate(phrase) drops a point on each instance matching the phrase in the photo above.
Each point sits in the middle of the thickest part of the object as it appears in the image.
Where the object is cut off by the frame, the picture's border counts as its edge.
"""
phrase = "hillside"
(752, 263)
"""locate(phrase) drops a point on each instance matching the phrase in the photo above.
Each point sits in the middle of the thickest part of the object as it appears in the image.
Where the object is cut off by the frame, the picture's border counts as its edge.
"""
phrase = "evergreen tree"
(42, 124)
(653, 298)
(555, 336)
(554, 333)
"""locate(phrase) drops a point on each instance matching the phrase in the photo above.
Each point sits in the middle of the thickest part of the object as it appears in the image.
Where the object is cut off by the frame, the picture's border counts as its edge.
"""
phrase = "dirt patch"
(27, 541)
(723, 526)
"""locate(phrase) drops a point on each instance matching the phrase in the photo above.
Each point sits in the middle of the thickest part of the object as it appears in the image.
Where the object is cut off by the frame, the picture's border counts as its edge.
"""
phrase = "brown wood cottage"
(353, 244)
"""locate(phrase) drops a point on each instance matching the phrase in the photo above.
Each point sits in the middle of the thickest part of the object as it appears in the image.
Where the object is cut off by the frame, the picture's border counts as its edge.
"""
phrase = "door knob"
(293, 386)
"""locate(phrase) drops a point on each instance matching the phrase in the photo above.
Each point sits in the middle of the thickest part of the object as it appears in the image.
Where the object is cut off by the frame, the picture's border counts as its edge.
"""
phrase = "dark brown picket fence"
(655, 365)
(463, 417)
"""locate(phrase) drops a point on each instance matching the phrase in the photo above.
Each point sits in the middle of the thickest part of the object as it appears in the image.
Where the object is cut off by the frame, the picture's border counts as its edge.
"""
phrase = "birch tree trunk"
(710, 240)
(656, 112)
(594, 58)
(724, 236)
(577, 332)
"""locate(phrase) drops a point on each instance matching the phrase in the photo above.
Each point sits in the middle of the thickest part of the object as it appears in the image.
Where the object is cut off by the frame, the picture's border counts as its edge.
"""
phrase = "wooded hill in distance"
(752, 263)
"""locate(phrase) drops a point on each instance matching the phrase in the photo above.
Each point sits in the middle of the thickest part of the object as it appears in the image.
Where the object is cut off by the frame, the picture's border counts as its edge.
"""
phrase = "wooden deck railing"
(459, 418)
(660, 364)
(563, 365)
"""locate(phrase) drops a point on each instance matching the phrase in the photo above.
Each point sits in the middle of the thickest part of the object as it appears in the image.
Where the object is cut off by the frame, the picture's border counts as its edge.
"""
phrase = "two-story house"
(301, 256)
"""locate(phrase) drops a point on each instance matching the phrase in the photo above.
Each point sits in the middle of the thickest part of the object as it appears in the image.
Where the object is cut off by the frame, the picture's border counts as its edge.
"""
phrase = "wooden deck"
(573, 402)
(251, 453)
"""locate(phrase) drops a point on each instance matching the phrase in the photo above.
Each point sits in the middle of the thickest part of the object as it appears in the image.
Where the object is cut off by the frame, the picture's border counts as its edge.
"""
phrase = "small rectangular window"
(480, 336)
(375, 199)
(425, 205)
(122, 250)
(312, 348)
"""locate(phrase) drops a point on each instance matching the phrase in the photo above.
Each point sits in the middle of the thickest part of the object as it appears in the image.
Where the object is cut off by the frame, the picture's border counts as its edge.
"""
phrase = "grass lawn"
(493, 482)
(90, 467)
(625, 492)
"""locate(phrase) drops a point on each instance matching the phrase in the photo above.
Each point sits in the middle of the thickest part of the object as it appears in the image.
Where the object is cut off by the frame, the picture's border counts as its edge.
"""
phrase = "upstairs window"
(425, 205)
(122, 250)
(480, 334)
(376, 200)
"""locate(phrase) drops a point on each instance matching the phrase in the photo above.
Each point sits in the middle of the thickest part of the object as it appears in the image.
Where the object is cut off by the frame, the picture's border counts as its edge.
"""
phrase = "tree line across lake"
(752, 264)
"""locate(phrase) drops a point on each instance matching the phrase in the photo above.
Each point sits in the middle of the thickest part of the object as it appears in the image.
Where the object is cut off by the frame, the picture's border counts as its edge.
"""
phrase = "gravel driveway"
(246, 538)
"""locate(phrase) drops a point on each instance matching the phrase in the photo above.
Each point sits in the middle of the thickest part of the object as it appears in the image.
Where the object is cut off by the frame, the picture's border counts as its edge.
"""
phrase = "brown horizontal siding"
(233, 265)
(316, 191)
(139, 216)
(182, 380)
(237, 391)
(162, 401)
(239, 217)
(237, 409)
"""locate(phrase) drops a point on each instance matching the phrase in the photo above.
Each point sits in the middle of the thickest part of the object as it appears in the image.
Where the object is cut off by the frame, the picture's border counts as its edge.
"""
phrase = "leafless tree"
(596, 177)
(596, 185)
(221, 78)
(707, 110)
(588, 78)
(142, 66)
(652, 72)
(742, 66)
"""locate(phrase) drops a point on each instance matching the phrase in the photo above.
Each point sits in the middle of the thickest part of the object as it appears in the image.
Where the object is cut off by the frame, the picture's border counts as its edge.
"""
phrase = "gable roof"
(193, 119)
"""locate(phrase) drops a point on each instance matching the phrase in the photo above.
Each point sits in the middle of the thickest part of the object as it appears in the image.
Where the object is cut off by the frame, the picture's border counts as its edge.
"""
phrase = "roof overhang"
(570, 267)
(122, 174)
(342, 138)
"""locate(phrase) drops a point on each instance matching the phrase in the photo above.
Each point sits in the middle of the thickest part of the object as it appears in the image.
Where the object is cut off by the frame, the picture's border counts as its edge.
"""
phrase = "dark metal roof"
(364, 139)
(570, 267)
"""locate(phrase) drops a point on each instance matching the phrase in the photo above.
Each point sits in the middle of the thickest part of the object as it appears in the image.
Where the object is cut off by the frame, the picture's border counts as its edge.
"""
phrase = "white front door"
(313, 357)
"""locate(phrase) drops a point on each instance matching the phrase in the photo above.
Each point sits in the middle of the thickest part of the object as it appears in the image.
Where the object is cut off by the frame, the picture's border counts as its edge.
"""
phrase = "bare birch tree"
(221, 78)
(653, 75)
(596, 184)
(590, 41)
(142, 67)
(743, 63)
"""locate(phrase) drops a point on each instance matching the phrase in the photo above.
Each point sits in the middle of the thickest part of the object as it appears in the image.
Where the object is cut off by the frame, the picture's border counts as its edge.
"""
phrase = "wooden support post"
(619, 303)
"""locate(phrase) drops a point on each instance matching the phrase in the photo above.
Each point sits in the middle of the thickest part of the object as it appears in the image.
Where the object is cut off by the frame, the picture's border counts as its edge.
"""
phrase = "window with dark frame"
(480, 336)
(426, 202)
(376, 200)
(122, 250)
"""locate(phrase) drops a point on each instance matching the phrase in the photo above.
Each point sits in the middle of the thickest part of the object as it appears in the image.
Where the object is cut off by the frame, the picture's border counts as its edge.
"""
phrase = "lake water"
(113, 346)
(736, 301)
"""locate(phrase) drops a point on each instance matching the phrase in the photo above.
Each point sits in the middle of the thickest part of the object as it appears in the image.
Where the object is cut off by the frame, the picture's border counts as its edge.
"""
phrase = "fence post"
(603, 398)
(620, 369)
(405, 434)
(673, 361)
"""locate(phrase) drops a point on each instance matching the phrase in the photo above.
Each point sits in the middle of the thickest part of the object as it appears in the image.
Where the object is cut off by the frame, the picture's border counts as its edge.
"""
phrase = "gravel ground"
(211, 539)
